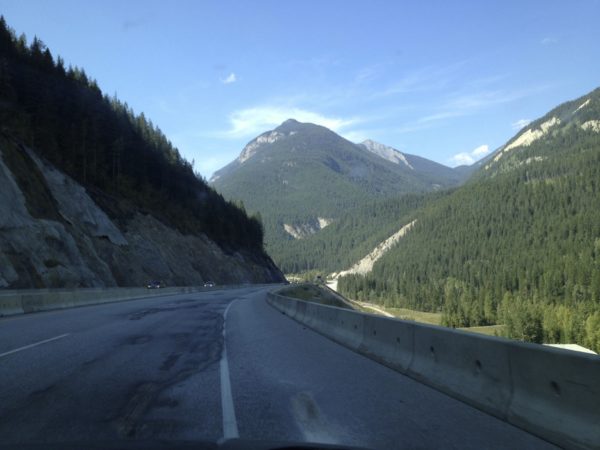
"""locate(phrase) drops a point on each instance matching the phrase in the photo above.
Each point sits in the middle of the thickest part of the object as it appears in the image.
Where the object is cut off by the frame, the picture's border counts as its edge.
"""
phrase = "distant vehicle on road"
(209, 284)
(155, 285)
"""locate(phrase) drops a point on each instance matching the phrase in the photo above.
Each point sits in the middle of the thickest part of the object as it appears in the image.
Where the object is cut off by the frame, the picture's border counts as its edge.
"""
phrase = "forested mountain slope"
(352, 236)
(55, 120)
(309, 184)
(519, 244)
(434, 174)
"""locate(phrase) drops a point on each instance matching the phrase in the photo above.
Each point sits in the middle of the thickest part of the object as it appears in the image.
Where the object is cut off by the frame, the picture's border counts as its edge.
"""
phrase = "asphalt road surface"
(213, 366)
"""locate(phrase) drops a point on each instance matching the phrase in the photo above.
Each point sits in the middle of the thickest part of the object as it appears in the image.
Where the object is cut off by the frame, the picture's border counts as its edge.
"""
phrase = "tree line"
(98, 140)
(519, 247)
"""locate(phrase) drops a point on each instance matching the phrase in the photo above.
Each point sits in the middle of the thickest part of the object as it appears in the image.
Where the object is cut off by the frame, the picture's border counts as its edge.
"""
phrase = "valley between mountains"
(512, 240)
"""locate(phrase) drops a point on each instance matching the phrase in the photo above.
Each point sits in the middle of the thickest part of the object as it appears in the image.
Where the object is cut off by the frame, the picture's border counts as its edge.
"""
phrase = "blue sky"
(446, 80)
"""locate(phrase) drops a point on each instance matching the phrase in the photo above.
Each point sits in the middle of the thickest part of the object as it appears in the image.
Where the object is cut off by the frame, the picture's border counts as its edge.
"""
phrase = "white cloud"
(366, 74)
(231, 78)
(548, 41)
(208, 165)
(252, 121)
(462, 159)
(439, 116)
(468, 158)
(458, 105)
(425, 79)
(521, 123)
(356, 135)
(481, 150)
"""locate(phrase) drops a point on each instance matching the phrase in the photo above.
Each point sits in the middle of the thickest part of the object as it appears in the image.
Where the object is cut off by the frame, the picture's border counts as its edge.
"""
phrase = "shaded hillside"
(124, 163)
(519, 244)
(100, 142)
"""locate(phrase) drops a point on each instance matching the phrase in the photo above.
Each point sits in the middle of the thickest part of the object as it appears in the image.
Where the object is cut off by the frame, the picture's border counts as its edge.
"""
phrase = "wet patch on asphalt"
(194, 351)
(138, 340)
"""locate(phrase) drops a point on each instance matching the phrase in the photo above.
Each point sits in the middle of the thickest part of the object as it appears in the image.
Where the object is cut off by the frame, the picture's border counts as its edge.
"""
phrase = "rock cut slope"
(53, 234)
(365, 265)
(92, 194)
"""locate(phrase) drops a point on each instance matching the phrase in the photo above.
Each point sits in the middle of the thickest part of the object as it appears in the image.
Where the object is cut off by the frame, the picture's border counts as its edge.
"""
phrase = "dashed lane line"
(33, 345)
(230, 428)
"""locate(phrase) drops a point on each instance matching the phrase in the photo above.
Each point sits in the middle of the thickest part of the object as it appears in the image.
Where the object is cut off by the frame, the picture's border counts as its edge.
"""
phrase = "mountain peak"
(286, 129)
(292, 125)
(386, 152)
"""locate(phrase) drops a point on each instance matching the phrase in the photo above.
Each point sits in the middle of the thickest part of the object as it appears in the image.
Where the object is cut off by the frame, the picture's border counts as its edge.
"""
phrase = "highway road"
(212, 366)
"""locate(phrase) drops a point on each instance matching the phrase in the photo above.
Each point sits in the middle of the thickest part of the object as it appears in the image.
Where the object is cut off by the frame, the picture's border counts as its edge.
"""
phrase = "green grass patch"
(417, 316)
(491, 330)
(312, 293)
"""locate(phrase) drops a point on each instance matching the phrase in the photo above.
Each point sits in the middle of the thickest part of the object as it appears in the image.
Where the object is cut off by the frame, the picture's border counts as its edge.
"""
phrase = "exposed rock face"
(53, 234)
(75, 205)
(302, 230)
(386, 152)
(593, 125)
(528, 137)
(365, 265)
(265, 138)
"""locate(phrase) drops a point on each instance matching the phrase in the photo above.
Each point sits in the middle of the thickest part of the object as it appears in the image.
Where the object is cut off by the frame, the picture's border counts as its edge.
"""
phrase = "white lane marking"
(33, 345)
(230, 428)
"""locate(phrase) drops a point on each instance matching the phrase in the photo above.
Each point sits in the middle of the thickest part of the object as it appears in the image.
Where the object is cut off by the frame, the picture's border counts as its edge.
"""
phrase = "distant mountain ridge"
(425, 167)
(300, 175)
(386, 152)
(528, 147)
(422, 166)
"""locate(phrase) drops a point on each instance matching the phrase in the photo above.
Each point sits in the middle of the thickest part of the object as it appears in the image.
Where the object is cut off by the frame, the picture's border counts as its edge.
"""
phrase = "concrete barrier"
(386, 342)
(35, 300)
(556, 394)
(10, 305)
(473, 368)
(550, 392)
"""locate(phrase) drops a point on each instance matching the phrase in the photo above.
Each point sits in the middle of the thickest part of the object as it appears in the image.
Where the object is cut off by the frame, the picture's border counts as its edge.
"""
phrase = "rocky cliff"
(54, 233)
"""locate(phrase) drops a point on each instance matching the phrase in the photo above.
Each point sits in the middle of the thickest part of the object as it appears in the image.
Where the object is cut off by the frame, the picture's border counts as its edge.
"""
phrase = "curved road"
(158, 369)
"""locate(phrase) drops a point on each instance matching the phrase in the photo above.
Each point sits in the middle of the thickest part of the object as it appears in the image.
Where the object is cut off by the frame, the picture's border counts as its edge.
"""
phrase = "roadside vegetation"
(317, 294)
(519, 245)
(313, 293)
